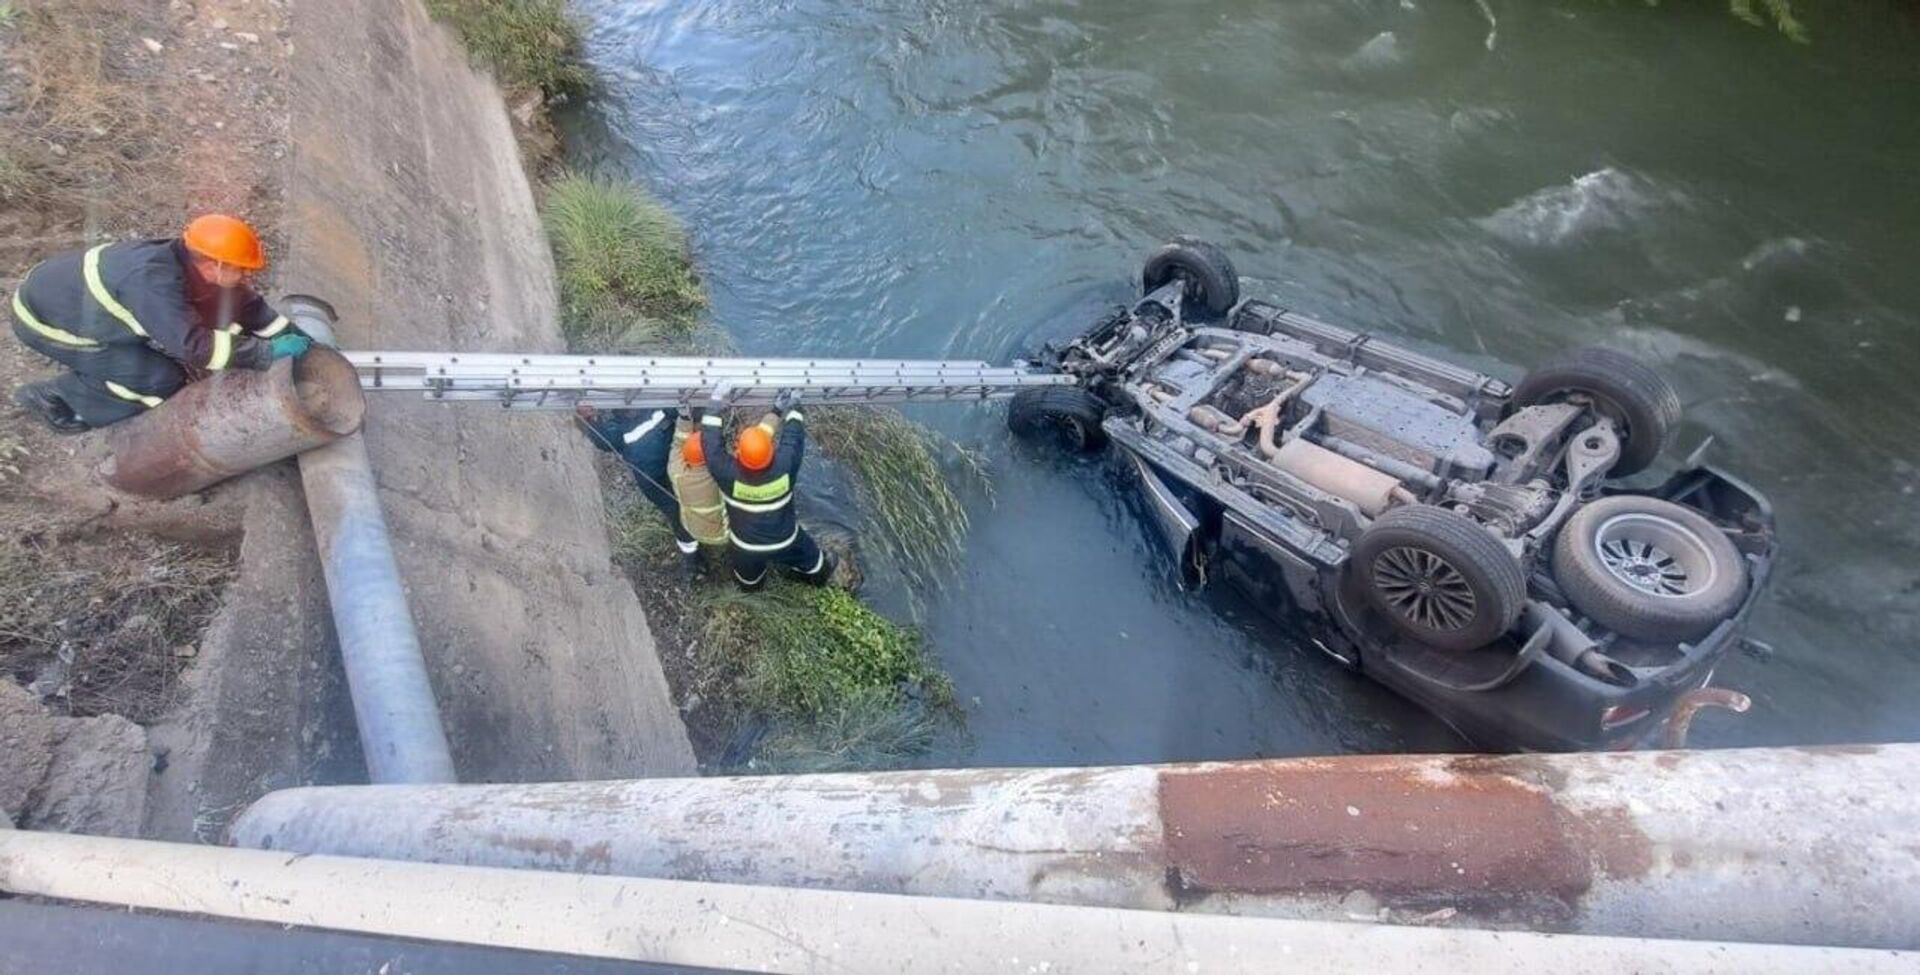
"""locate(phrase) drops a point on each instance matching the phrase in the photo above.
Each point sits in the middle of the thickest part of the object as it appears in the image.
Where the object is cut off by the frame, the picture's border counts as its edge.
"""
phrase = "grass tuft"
(913, 513)
(802, 652)
(626, 280)
(525, 42)
(868, 730)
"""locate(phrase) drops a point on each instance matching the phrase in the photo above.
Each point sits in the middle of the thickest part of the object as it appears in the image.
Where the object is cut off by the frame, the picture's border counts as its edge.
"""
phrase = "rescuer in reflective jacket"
(702, 510)
(757, 482)
(135, 321)
(643, 439)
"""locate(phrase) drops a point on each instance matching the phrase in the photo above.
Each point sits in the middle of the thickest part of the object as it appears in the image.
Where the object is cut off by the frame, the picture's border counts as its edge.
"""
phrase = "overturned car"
(1460, 540)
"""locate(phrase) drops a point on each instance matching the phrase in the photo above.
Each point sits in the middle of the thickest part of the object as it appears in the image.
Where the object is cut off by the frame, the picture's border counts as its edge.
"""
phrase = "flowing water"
(965, 179)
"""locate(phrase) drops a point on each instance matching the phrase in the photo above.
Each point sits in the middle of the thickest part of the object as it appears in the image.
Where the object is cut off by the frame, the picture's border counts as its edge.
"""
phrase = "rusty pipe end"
(326, 393)
(233, 422)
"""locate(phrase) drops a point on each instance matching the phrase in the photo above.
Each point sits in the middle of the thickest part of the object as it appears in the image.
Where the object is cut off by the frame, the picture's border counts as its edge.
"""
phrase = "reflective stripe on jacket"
(702, 510)
(139, 291)
(760, 513)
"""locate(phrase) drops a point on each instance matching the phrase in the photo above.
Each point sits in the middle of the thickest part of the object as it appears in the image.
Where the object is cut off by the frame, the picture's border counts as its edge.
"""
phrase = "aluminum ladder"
(559, 382)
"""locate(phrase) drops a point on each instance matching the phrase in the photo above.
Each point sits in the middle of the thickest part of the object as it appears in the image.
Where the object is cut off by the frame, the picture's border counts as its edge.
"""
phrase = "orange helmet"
(228, 240)
(692, 452)
(755, 449)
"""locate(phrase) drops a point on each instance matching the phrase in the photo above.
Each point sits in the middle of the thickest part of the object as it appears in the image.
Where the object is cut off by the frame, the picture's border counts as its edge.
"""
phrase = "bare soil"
(118, 119)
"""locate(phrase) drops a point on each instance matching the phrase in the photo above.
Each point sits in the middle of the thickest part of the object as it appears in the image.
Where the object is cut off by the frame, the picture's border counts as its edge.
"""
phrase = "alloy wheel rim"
(1425, 589)
(1654, 555)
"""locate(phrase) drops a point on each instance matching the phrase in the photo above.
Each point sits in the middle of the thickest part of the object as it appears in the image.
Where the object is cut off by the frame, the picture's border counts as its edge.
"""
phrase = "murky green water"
(933, 178)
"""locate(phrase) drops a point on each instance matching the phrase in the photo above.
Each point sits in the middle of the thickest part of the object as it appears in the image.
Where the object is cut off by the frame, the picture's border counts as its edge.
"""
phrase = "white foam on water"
(1381, 52)
(1603, 200)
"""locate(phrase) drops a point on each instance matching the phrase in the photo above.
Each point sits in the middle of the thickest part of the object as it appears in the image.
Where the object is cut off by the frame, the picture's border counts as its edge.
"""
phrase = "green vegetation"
(806, 653)
(913, 514)
(7, 14)
(628, 285)
(526, 42)
(841, 685)
(626, 282)
(869, 729)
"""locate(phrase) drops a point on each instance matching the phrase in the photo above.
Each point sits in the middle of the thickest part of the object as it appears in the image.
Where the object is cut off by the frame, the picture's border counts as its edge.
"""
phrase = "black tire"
(1649, 569)
(1440, 577)
(1211, 280)
(1068, 412)
(1639, 401)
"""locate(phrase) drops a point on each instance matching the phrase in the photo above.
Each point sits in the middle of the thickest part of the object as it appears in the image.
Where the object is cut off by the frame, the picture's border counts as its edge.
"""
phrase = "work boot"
(690, 566)
(40, 400)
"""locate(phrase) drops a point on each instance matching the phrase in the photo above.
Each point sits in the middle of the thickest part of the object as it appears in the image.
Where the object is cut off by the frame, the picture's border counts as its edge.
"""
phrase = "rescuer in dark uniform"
(135, 321)
(643, 439)
(756, 481)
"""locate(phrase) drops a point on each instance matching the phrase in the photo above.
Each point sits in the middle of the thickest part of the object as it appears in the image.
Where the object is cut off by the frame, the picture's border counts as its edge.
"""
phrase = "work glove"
(786, 401)
(721, 399)
(284, 346)
(585, 412)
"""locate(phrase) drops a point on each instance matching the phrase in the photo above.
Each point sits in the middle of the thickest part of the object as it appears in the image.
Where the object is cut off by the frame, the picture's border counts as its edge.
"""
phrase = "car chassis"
(1458, 539)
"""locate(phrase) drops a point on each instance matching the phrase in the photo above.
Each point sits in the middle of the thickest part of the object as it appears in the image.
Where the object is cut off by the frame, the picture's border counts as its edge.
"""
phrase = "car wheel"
(1067, 412)
(1440, 577)
(1641, 403)
(1649, 569)
(1211, 281)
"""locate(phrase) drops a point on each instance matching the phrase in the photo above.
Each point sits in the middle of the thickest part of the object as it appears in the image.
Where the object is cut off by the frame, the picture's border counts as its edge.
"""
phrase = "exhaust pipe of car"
(1575, 648)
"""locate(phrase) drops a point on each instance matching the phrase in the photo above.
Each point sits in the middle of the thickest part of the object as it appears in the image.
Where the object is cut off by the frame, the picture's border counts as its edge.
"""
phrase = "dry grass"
(81, 132)
(106, 625)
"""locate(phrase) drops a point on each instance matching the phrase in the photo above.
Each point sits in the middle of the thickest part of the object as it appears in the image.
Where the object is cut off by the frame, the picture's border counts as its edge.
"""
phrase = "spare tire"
(1211, 280)
(1440, 577)
(1068, 412)
(1641, 403)
(1649, 569)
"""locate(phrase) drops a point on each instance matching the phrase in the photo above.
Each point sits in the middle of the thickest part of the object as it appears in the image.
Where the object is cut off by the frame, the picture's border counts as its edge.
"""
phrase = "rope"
(635, 468)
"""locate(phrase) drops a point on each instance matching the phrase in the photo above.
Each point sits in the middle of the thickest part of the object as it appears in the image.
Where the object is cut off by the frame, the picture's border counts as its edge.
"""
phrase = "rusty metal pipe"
(738, 928)
(1794, 845)
(1681, 721)
(233, 422)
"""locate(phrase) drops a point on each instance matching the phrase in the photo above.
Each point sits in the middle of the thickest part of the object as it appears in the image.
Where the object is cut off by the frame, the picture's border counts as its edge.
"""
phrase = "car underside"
(1465, 542)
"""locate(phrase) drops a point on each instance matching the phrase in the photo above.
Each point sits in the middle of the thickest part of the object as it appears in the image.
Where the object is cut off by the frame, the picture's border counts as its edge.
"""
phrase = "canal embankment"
(387, 172)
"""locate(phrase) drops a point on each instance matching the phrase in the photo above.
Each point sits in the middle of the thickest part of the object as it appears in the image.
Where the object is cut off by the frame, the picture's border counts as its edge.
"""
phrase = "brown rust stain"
(594, 858)
(1481, 835)
(556, 851)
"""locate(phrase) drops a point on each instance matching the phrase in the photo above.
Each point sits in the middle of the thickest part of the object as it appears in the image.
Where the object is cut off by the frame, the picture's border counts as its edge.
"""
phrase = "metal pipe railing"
(731, 927)
(1781, 845)
(393, 705)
